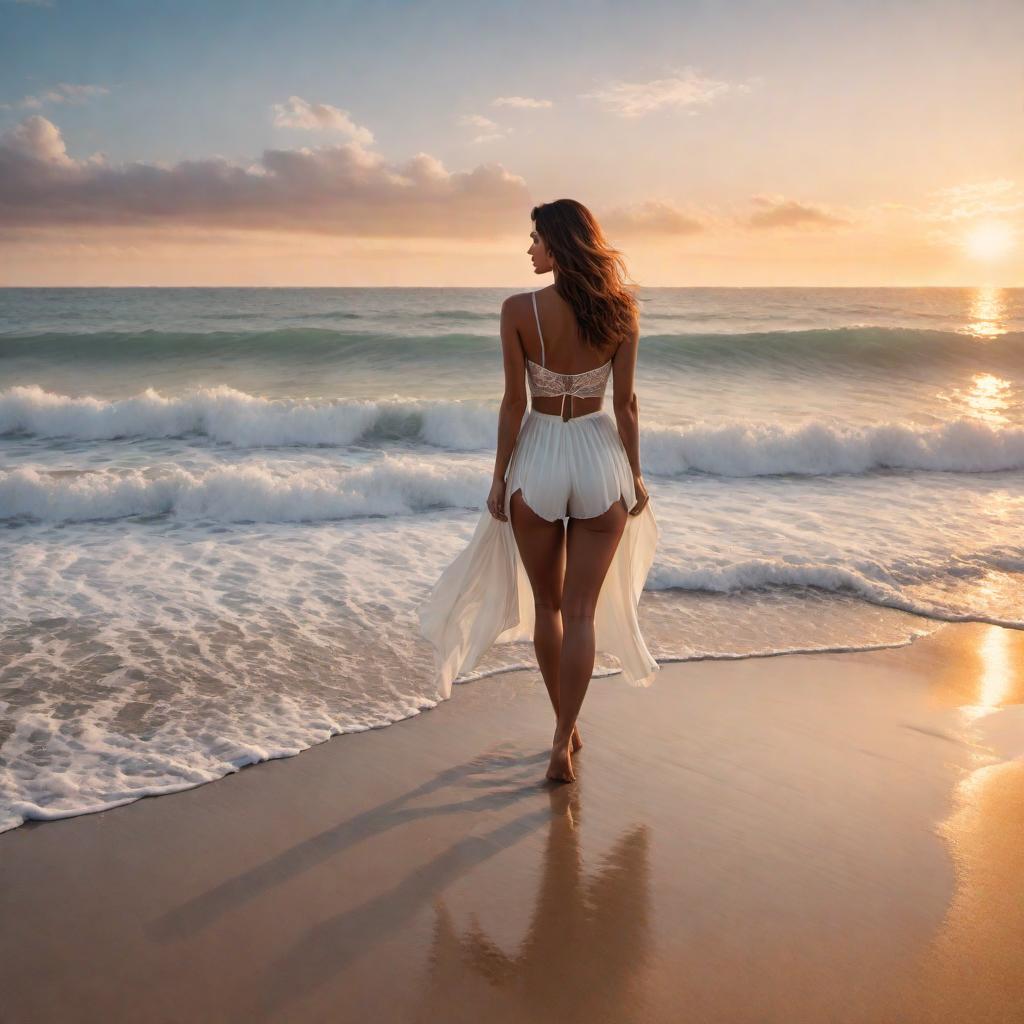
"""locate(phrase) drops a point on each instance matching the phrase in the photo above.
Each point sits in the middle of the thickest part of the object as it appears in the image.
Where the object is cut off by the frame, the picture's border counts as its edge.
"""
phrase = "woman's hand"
(642, 497)
(496, 500)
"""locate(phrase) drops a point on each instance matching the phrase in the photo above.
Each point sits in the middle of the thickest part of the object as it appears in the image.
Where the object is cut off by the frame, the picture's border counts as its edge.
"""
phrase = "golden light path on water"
(987, 313)
(988, 397)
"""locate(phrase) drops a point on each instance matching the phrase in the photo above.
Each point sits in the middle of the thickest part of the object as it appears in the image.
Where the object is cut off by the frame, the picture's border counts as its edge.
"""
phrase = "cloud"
(521, 103)
(684, 91)
(36, 140)
(344, 189)
(651, 217)
(319, 117)
(779, 212)
(492, 130)
(64, 92)
(994, 198)
(476, 121)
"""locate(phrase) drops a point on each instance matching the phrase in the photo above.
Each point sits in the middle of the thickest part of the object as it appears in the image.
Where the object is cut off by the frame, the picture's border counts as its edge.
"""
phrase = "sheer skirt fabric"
(576, 468)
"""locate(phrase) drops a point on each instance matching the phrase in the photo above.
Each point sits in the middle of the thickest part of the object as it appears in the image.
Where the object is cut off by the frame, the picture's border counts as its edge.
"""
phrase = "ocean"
(220, 507)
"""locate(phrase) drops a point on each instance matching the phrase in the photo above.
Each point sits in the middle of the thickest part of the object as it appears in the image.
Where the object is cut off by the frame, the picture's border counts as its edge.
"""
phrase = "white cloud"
(492, 131)
(998, 197)
(684, 91)
(64, 92)
(521, 103)
(319, 117)
(38, 140)
(476, 121)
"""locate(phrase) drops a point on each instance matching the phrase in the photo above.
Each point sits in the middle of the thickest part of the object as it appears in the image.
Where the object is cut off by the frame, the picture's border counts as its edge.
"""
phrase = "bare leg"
(542, 548)
(590, 548)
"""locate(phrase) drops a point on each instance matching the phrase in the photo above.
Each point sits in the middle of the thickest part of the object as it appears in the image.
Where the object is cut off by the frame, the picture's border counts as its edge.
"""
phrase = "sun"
(989, 241)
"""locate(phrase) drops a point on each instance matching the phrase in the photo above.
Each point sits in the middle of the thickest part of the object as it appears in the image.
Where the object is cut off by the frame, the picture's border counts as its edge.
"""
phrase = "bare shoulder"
(629, 342)
(513, 316)
(517, 302)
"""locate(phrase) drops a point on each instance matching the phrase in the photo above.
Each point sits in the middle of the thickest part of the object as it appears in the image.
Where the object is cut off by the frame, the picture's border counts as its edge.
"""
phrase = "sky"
(734, 143)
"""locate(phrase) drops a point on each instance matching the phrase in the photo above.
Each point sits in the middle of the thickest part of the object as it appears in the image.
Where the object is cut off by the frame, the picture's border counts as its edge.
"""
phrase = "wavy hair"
(592, 275)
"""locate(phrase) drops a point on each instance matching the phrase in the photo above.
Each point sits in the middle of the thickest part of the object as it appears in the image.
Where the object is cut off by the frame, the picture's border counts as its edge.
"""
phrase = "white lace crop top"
(547, 383)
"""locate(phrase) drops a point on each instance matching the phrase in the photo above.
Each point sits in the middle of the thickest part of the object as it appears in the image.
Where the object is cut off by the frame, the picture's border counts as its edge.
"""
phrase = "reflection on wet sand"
(973, 970)
(977, 669)
(582, 956)
(800, 852)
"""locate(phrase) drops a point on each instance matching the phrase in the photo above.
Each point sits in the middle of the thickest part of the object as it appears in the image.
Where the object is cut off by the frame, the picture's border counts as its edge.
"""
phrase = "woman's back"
(566, 376)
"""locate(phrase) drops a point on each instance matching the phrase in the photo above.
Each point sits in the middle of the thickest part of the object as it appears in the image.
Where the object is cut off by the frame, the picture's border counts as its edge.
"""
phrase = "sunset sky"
(381, 143)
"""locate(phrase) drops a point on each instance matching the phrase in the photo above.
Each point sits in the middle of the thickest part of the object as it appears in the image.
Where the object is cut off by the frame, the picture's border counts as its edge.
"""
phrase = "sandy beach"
(797, 838)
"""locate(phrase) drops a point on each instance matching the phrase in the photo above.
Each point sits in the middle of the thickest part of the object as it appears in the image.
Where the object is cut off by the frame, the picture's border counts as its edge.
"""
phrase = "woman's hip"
(580, 461)
(592, 435)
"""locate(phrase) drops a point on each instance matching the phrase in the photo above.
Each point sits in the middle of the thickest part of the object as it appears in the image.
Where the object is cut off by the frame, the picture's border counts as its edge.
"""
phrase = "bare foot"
(560, 767)
(577, 742)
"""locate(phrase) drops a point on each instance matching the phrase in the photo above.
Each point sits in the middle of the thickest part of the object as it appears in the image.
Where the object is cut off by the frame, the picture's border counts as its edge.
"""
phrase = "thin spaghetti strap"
(533, 295)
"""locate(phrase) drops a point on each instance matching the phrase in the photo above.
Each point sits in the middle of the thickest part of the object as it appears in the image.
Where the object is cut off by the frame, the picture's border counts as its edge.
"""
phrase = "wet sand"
(798, 838)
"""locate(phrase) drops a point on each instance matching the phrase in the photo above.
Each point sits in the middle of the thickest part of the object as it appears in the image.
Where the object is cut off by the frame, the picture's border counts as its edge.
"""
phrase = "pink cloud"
(780, 212)
(652, 217)
(346, 189)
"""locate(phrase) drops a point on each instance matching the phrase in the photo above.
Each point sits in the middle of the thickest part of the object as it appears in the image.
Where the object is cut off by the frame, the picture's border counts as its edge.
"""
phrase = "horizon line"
(479, 287)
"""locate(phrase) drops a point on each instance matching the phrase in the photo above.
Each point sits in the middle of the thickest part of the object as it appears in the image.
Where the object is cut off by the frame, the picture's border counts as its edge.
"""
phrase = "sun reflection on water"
(988, 398)
(987, 313)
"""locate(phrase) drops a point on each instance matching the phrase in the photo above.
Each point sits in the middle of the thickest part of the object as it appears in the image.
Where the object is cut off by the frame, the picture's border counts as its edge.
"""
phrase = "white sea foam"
(824, 449)
(190, 650)
(254, 492)
(872, 583)
(95, 767)
(737, 449)
(227, 415)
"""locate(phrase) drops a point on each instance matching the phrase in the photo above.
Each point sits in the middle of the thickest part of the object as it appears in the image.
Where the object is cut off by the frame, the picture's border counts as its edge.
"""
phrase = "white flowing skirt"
(565, 468)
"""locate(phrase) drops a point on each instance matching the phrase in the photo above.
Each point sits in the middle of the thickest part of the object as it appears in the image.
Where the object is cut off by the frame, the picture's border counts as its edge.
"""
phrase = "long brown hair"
(591, 274)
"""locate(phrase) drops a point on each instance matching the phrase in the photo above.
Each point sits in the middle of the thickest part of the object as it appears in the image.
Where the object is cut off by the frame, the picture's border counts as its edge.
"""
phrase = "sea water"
(219, 508)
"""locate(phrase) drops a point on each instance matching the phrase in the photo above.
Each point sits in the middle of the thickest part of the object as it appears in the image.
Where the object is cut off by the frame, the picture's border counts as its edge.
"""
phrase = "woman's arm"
(627, 411)
(624, 403)
(513, 405)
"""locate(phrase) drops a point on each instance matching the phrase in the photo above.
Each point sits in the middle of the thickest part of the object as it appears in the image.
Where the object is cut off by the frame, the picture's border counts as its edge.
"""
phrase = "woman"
(575, 585)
